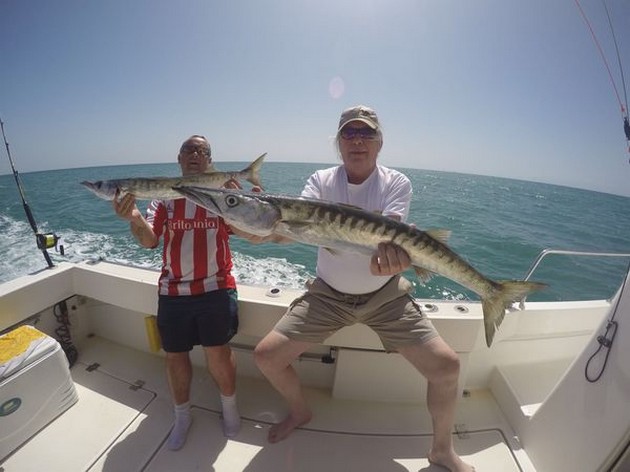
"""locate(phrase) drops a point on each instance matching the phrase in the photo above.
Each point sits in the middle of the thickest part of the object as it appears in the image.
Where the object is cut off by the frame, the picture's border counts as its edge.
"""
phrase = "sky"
(504, 88)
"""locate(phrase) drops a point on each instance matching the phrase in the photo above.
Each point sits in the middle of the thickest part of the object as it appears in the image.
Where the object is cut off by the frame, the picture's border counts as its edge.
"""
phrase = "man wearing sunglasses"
(197, 302)
(363, 289)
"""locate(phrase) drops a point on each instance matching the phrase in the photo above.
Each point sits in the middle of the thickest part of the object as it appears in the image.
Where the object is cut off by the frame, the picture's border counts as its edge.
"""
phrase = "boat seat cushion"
(21, 347)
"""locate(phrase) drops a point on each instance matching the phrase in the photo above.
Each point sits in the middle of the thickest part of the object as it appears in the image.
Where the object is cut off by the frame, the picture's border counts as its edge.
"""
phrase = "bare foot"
(451, 462)
(281, 430)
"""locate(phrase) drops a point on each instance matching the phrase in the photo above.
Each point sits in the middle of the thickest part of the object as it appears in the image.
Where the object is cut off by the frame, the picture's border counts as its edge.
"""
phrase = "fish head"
(247, 211)
(101, 188)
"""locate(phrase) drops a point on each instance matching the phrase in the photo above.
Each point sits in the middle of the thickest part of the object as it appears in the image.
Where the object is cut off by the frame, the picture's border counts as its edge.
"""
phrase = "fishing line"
(44, 241)
(624, 109)
(623, 80)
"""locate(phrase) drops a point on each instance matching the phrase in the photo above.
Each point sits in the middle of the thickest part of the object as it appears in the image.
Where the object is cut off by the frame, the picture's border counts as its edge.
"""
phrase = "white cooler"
(35, 385)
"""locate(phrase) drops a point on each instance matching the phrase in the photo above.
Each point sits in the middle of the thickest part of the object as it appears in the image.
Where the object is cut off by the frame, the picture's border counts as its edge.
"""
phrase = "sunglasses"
(191, 149)
(361, 133)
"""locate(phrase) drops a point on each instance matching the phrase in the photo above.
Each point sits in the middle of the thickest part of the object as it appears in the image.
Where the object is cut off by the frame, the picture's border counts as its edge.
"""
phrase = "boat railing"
(546, 252)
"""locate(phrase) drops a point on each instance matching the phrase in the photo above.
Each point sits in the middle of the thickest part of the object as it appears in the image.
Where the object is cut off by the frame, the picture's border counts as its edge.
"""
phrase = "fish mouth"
(92, 186)
(200, 196)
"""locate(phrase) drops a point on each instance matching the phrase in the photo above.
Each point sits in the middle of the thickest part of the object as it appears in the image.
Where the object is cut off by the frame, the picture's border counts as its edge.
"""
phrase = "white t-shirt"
(386, 191)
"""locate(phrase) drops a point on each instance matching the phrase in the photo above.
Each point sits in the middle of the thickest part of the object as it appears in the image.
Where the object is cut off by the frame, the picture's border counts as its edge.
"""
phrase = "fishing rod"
(624, 112)
(44, 241)
(624, 109)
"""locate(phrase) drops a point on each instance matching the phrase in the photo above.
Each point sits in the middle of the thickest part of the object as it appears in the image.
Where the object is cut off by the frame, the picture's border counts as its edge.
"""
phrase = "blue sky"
(493, 87)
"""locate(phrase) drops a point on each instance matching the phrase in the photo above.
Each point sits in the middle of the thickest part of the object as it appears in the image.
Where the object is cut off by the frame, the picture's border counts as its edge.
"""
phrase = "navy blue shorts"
(210, 319)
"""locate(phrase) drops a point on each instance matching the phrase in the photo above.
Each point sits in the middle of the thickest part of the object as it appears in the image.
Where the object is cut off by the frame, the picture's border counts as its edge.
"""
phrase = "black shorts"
(210, 319)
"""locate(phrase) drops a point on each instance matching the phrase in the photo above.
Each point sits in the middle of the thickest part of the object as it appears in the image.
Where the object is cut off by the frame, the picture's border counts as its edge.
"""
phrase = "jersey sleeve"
(156, 216)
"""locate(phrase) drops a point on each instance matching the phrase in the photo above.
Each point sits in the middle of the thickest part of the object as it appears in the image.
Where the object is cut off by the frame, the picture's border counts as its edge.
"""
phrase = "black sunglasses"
(191, 149)
(361, 133)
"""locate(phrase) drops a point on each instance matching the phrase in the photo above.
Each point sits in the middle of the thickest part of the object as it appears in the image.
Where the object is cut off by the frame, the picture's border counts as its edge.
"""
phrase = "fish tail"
(253, 171)
(506, 293)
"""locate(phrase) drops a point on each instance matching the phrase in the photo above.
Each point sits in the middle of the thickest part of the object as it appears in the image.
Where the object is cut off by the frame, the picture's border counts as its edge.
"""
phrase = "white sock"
(183, 420)
(231, 418)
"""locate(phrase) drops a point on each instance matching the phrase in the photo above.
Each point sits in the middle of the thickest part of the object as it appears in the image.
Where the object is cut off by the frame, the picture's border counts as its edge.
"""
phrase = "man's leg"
(179, 376)
(440, 365)
(274, 355)
(222, 368)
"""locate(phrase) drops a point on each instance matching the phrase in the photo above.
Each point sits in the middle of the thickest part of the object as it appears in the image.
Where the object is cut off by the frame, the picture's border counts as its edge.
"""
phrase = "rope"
(60, 310)
(606, 340)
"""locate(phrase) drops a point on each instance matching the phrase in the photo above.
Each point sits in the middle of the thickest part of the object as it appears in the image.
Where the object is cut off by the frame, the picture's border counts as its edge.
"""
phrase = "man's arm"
(140, 228)
(143, 232)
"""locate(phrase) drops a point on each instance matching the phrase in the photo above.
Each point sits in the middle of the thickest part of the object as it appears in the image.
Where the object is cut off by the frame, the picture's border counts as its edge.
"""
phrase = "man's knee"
(446, 368)
(452, 366)
(263, 356)
(177, 358)
(219, 354)
(270, 354)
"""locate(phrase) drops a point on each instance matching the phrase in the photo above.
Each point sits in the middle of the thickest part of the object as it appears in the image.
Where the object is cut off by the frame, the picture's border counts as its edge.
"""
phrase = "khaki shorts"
(390, 311)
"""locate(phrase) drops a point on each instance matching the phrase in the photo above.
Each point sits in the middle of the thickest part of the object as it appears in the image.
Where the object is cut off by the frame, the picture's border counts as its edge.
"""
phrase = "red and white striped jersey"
(196, 256)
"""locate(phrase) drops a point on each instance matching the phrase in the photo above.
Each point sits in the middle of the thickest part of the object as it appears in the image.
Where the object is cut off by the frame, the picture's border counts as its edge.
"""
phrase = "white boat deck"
(526, 393)
(124, 414)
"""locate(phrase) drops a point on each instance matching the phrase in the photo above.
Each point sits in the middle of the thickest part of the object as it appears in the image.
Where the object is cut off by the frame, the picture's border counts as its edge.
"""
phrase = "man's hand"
(232, 184)
(389, 259)
(126, 207)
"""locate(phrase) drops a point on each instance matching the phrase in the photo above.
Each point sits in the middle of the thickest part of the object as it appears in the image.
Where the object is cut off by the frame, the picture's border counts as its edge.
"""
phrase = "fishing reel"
(49, 241)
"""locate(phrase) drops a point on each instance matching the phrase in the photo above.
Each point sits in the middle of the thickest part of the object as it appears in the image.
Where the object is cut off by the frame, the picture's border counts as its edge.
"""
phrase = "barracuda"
(342, 227)
(149, 188)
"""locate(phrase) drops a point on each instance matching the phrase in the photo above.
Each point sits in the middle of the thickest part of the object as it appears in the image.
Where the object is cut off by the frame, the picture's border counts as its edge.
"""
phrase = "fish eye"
(231, 201)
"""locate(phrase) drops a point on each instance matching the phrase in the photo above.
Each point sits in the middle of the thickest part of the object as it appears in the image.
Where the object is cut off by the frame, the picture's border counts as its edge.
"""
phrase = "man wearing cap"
(351, 288)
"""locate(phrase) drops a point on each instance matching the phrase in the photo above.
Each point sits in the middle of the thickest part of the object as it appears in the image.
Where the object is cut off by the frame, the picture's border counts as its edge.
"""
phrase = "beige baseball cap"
(359, 113)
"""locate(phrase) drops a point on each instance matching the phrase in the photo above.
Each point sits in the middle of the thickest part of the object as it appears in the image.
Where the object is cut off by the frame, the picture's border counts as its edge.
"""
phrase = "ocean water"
(498, 225)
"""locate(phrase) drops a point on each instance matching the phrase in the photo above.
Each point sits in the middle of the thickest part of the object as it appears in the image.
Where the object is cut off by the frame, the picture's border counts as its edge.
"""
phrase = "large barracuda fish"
(161, 188)
(342, 227)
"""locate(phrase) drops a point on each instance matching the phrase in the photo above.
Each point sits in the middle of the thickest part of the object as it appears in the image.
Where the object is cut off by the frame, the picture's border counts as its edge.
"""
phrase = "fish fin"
(253, 171)
(332, 252)
(423, 274)
(438, 234)
(506, 293)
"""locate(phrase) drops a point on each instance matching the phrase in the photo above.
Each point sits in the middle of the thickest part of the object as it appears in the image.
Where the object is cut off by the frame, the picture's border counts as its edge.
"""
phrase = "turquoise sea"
(498, 225)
